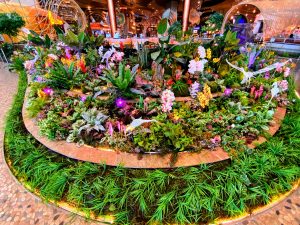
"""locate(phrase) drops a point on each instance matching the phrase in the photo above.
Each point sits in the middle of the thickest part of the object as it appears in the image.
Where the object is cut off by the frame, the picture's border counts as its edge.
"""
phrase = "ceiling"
(146, 4)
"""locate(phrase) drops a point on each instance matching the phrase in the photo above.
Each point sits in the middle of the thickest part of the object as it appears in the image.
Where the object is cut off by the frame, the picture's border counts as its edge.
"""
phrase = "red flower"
(121, 46)
(82, 67)
(170, 82)
(189, 82)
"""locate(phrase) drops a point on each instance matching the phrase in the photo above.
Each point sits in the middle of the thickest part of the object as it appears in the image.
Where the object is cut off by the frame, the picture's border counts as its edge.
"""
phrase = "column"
(186, 11)
(112, 17)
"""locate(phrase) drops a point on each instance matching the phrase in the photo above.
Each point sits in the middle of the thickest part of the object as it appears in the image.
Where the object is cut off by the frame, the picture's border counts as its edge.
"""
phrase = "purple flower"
(120, 102)
(99, 69)
(252, 57)
(227, 92)
(48, 91)
(83, 98)
(68, 53)
(267, 75)
(39, 79)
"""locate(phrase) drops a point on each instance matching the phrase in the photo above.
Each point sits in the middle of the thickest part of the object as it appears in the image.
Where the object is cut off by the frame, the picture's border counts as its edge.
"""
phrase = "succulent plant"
(92, 121)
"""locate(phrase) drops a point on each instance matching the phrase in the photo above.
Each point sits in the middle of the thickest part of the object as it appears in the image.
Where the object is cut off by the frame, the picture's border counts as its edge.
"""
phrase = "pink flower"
(167, 99)
(119, 126)
(283, 85)
(117, 56)
(29, 64)
(110, 129)
(216, 139)
(279, 68)
(178, 74)
(287, 72)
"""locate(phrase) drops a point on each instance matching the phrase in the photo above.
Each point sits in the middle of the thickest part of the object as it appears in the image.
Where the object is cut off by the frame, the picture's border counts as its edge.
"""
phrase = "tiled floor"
(19, 207)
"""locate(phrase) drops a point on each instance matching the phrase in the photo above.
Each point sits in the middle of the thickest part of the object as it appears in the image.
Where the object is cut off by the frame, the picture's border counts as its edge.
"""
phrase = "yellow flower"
(208, 53)
(216, 60)
(66, 61)
(205, 96)
(176, 117)
(41, 94)
(47, 75)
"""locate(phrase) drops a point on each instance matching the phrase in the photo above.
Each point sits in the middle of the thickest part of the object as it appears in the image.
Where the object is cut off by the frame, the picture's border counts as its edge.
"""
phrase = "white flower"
(201, 52)
(100, 51)
(196, 66)
(52, 56)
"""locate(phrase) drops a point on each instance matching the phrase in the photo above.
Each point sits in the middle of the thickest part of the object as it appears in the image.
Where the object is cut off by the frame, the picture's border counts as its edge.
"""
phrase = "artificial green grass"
(137, 196)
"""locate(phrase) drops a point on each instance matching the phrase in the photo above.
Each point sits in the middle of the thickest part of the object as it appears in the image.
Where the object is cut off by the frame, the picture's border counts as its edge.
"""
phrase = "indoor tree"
(10, 24)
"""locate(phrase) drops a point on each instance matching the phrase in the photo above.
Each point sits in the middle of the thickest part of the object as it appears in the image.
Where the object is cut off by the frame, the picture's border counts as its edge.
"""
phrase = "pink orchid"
(287, 72)
(167, 99)
(216, 139)
(283, 85)
(110, 129)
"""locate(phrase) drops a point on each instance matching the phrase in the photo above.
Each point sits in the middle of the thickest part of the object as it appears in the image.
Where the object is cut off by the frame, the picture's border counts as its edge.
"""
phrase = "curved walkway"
(19, 207)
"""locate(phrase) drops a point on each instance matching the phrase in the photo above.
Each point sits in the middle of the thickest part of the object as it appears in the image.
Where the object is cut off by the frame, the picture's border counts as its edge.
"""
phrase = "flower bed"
(199, 194)
(133, 160)
(185, 102)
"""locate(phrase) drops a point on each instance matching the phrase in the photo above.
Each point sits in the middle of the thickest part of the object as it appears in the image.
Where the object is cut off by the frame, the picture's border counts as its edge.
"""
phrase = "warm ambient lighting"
(186, 11)
(112, 17)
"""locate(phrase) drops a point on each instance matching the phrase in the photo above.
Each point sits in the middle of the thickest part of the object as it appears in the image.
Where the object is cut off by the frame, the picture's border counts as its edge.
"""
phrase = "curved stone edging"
(133, 160)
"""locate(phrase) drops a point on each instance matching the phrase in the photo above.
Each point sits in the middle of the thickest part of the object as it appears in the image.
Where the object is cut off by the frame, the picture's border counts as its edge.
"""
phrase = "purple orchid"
(227, 92)
(48, 91)
(252, 57)
(120, 102)
(83, 98)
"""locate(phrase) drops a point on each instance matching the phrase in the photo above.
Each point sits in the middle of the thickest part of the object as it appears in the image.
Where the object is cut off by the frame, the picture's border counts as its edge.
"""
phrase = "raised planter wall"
(133, 160)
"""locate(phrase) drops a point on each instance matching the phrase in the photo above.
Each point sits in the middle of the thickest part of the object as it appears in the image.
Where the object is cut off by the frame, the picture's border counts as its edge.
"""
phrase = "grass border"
(134, 196)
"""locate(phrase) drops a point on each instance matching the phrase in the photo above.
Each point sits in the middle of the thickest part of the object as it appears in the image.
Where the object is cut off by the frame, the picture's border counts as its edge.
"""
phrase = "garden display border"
(112, 157)
(276, 163)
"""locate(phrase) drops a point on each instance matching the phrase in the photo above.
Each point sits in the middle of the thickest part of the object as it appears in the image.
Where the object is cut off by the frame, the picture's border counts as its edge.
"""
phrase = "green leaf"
(164, 39)
(155, 55)
(162, 26)
(81, 37)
